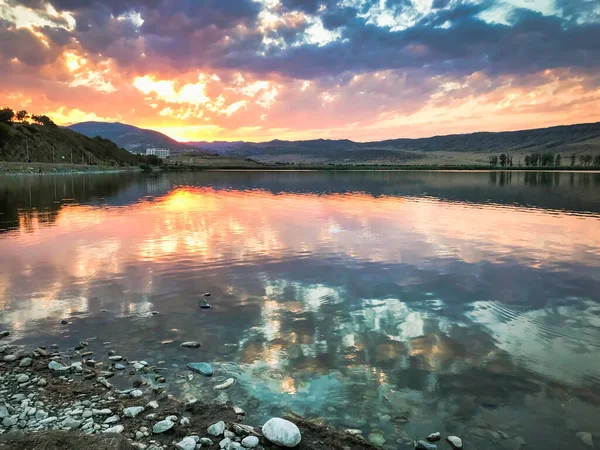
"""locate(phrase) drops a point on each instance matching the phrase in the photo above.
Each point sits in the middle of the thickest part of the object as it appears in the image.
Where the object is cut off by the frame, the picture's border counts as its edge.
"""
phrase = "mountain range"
(473, 148)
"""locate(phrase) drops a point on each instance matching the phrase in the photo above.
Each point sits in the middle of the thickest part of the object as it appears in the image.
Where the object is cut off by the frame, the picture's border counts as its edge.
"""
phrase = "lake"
(398, 303)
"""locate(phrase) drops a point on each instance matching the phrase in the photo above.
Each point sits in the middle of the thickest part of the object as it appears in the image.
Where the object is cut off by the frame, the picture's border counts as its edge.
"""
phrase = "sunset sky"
(303, 69)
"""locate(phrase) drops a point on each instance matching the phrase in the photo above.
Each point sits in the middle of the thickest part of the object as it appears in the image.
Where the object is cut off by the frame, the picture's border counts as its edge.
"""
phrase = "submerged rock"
(281, 432)
(203, 304)
(433, 437)
(586, 438)
(376, 439)
(455, 442)
(424, 445)
(191, 344)
(202, 368)
(225, 384)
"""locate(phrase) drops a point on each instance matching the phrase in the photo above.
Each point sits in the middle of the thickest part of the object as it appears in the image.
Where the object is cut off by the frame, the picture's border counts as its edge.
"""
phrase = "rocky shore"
(52, 398)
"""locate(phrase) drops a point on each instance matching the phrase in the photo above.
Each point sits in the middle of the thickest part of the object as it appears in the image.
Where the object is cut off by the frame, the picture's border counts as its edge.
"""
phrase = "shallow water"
(467, 303)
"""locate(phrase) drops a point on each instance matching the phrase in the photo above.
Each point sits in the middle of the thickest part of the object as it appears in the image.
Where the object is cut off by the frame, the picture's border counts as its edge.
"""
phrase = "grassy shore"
(34, 168)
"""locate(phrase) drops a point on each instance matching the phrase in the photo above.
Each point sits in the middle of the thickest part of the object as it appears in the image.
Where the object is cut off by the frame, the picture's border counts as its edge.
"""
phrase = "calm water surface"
(467, 303)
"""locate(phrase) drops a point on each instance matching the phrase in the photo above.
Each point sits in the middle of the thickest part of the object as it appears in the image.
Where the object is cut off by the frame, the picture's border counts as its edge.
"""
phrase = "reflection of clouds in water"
(561, 344)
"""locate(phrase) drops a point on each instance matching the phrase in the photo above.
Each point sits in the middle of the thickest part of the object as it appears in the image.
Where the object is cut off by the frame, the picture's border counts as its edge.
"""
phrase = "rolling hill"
(21, 142)
(127, 136)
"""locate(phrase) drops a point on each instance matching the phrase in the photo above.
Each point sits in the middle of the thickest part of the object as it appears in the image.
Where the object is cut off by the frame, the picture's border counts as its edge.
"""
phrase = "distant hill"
(129, 137)
(39, 143)
(473, 148)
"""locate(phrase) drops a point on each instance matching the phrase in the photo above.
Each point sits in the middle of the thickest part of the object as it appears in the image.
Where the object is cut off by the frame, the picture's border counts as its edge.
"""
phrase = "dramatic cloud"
(261, 69)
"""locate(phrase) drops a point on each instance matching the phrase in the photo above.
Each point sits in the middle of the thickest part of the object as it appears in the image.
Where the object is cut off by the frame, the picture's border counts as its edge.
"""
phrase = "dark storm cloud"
(22, 44)
(189, 34)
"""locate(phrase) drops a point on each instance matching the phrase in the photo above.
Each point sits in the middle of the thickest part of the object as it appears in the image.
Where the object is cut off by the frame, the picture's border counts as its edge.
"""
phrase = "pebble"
(102, 412)
(434, 437)
(216, 429)
(202, 368)
(42, 382)
(227, 383)
(22, 379)
(9, 422)
(250, 441)
(116, 429)
(25, 362)
(206, 442)
(10, 358)
(153, 404)
(136, 393)
(239, 411)
(162, 426)
(188, 443)
(224, 443)
(115, 358)
(133, 411)
(191, 344)
(112, 419)
(281, 432)
(119, 367)
(58, 367)
(203, 304)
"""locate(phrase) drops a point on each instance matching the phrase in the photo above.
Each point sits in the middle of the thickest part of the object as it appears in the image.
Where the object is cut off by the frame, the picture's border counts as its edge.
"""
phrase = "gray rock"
(434, 437)
(42, 382)
(202, 368)
(9, 422)
(41, 415)
(112, 419)
(3, 411)
(22, 378)
(250, 441)
(115, 358)
(205, 442)
(102, 412)
(376, 439)
(455, 442)
(424, 445)
(239, 411)
(133, 411)
(586, 438)
(4, 333)
(136, 393)
(191, 344)
(216, 429)
(58, 367)
(25, 362)
(71, 423)
(153, 404)
(224, 443)
(282, 432)
(116, 429)
(119, 366)
(10, 358)
(162, 426)
(87, 414)
(187, 443)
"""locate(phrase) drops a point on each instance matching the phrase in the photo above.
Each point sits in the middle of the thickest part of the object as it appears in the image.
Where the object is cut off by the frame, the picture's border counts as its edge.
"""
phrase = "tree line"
(547, 159)
(9, 116)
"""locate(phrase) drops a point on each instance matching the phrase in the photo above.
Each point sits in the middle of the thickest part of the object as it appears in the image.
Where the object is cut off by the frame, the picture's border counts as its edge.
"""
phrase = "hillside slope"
(127, 136)
(38, 143)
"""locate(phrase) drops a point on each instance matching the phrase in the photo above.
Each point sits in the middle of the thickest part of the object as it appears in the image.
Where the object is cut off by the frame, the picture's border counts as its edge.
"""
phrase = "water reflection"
(465, 302)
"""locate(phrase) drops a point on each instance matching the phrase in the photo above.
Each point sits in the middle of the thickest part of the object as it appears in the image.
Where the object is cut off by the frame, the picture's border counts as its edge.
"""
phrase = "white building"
(160, 152)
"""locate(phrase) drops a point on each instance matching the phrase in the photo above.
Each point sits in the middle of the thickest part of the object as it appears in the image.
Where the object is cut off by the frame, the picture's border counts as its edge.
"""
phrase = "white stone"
(187, 443)
(153, 404)
(224, 443)
(216, 429)
(133, 411)
(455, 442)
(586, 438)
(116, 429)
(136, 393)
(282, 432)
(250, 441)
(112, 419)
(225, 384)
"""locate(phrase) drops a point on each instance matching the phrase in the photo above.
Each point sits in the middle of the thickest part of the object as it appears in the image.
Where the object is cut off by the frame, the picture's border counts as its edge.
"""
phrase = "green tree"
(22, 115)
(557, 160)
(527, 160)
(6, 115)
(503, 160)
(587, 160)
(493, 160)
(43, 120)
(534, 159)
(597, 161)
(573, 158)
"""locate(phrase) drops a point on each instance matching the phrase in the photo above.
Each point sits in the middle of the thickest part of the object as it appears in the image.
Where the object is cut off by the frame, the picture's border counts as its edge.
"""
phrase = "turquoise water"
(398, 303)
